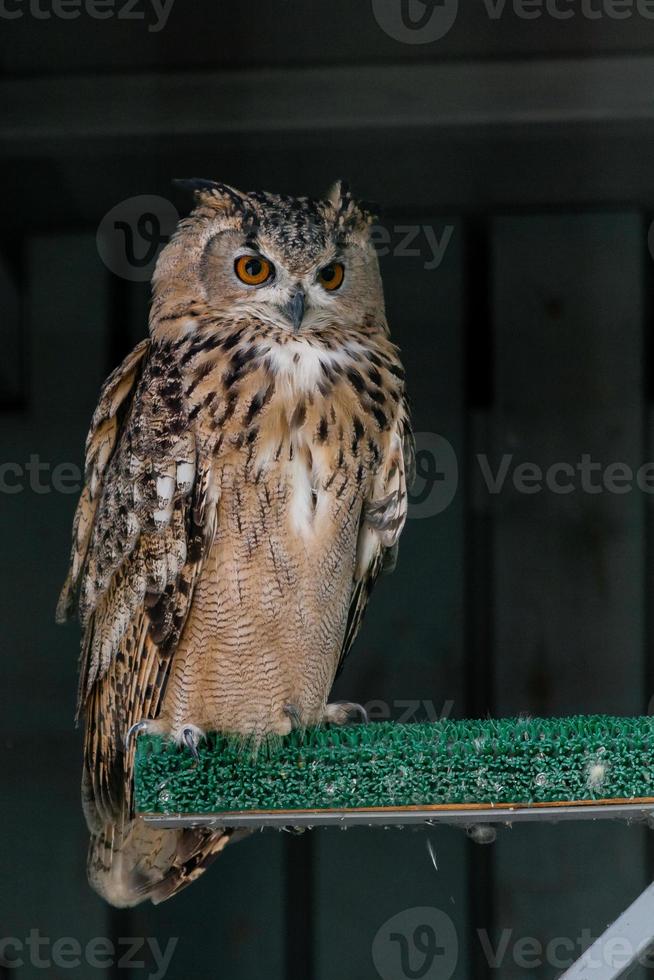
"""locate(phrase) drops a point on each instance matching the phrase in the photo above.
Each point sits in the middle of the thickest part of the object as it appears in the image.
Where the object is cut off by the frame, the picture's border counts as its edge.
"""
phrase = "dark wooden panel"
(229, 922)
(43, 843)
(13, 388)
(450, 137)
(44, 892)
(408, 659)
(66, 324)
(318, 100)
(205, 35)
(568, 567)
(569, 383)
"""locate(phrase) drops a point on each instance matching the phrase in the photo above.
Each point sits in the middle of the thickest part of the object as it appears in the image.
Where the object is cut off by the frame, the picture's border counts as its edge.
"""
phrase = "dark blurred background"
(512, 148)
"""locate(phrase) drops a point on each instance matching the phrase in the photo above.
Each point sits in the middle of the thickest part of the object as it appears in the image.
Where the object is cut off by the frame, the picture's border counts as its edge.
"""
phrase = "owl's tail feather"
(130, 863)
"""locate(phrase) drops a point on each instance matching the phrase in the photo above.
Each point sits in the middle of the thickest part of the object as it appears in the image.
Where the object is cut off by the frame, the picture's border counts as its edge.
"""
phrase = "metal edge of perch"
(461, 815)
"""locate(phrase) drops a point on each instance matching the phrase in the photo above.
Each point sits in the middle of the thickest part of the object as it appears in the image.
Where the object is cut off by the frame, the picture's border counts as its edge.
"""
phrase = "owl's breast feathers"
(307, 438)
(327, 409)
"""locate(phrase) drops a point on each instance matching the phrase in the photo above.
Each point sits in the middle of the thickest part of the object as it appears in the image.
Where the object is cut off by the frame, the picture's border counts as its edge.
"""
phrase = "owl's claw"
(342, 712)
(191, 744)
(293, 712)
(133, 730)
(191, 736)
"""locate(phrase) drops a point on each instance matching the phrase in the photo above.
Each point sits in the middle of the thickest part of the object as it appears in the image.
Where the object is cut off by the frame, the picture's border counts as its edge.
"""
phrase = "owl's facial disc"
(299, 287)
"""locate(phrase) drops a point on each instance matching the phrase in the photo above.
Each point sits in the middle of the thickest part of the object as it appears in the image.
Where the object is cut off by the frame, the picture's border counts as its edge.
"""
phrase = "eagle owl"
(246, 482)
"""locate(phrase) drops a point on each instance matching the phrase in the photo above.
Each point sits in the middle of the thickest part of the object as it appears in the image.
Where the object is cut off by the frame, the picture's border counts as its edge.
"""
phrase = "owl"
(245, 484)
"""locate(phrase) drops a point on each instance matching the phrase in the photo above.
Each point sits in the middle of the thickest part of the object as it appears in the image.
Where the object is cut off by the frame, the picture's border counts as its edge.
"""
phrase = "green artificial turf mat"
(522, 761)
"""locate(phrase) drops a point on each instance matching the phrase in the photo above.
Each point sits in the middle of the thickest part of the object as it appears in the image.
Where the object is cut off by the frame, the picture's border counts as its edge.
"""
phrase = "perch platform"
(468, 773)
(458, 772)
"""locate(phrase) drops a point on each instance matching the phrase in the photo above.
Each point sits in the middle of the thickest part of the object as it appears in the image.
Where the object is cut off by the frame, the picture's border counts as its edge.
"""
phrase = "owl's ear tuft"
(196, 185)
(351, 215)
(212, 192)
(339, 194)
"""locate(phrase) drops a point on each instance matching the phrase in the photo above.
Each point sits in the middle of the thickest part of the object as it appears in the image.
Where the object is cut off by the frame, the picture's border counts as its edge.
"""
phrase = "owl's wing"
(382, 520)
(115, 398)
(138, 539)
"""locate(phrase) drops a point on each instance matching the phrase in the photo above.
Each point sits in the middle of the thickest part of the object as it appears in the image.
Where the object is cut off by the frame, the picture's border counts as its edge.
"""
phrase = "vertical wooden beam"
(299, 910)
(478, 627)
(648, 590)
(568, 566)
(13, 392)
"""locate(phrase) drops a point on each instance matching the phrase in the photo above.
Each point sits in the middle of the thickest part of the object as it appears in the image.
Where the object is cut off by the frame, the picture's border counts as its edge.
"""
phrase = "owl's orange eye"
(253, 269)
(332, 275)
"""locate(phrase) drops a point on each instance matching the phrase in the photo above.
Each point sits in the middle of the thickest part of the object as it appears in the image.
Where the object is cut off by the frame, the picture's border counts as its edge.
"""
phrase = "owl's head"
(297, 264)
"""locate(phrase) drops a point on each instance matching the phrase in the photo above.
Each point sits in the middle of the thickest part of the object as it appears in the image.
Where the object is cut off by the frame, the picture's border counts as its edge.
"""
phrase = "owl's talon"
(191, 745)
(342, 712)
(293, 712)
(133, 730)
(191, 736)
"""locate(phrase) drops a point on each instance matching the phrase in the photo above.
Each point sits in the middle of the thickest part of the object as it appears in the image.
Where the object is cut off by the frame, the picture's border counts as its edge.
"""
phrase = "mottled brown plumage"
(246, 482)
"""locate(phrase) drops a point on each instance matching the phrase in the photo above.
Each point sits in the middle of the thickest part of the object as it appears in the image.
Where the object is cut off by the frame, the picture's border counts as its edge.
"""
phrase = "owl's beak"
(294, 309)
